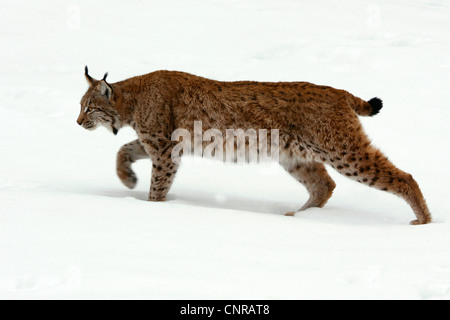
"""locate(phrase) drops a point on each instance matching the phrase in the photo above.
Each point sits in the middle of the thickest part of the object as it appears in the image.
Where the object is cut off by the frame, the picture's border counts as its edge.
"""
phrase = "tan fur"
(318, 125)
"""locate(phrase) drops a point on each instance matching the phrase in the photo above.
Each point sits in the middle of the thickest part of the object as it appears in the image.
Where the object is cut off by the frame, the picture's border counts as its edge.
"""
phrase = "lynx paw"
(418, 223)
(153, 198)
(128, 178)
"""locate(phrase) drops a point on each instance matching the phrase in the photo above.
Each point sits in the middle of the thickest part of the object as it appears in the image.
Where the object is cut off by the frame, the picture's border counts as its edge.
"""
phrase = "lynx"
(318, 126)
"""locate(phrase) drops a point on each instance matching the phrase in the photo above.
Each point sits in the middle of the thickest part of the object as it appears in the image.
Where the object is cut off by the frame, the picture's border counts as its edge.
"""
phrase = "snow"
(70, 230)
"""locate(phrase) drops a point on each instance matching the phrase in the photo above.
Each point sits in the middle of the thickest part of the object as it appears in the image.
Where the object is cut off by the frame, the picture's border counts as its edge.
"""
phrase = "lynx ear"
(106, 89)
(89, 79)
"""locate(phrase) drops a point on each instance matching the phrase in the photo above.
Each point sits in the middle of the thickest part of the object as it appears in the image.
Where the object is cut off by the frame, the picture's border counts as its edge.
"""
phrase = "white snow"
(69, 229)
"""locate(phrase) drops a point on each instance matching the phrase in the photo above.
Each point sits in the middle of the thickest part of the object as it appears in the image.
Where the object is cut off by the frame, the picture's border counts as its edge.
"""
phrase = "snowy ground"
(69, 229)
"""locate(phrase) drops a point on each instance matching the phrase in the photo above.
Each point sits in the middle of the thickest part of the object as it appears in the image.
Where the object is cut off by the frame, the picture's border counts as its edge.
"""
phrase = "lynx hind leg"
(313, 175)
(127, 155)
(366, 164)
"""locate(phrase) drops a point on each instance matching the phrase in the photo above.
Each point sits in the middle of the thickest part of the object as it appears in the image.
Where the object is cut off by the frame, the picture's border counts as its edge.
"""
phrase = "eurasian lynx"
(317, 125)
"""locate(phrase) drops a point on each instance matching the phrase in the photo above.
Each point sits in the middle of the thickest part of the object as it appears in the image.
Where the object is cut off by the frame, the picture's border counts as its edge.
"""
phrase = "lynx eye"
(88, 109)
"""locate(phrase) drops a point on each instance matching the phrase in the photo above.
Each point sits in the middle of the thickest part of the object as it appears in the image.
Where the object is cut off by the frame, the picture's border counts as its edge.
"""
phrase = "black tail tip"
(376, 104)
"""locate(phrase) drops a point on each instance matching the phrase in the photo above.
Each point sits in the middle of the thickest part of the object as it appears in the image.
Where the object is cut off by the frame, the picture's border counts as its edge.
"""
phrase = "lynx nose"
(80, 122)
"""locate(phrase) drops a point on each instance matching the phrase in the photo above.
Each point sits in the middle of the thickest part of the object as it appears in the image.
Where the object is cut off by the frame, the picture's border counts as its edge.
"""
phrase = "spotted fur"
(318, 125)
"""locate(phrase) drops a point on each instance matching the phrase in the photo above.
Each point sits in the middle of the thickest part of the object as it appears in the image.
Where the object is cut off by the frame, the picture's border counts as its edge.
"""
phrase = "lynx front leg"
(129, 154)
(163, 168)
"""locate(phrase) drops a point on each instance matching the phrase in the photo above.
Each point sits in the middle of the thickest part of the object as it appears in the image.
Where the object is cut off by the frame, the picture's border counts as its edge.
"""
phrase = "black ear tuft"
(89, 79)
(105, 76)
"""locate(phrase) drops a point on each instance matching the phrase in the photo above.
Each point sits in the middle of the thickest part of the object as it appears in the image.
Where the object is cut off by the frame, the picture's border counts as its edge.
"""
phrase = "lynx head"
(97, 105)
